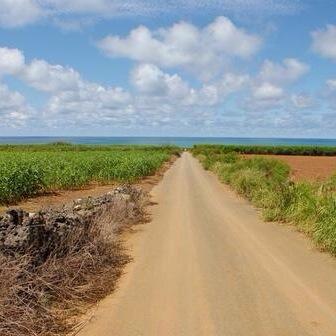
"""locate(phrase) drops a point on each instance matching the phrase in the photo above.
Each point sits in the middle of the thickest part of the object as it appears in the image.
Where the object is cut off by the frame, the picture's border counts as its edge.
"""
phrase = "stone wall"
(44, 232)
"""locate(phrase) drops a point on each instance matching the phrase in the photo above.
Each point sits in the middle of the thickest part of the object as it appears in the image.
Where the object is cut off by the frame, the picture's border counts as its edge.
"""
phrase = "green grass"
(31, 169)
(266, 182)
(250, 149)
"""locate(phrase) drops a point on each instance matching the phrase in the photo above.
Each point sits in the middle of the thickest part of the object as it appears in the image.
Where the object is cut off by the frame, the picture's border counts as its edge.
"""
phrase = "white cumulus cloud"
(12, 61)
(289, 71)
(204, 51)
(16, 13)
(14, 110)
(50, 78)
(324, 42)
(331, 84)
(267, 91)
(158, 98)
(71, 96)
(151, 81)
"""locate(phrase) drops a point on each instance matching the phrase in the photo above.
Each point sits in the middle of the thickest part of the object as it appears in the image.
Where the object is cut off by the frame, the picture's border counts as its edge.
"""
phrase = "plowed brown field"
(308, 167)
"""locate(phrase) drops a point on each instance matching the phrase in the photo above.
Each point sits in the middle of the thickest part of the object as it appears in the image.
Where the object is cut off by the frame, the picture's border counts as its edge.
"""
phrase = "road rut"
(207, 265)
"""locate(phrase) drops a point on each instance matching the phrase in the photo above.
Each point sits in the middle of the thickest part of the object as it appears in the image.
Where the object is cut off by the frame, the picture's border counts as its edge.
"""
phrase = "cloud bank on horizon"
(133, 72)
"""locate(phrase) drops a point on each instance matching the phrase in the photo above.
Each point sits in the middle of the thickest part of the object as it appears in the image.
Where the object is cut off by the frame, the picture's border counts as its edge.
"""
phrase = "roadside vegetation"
(58, 263)
(276, 150)
(26, 170)
(310, 206)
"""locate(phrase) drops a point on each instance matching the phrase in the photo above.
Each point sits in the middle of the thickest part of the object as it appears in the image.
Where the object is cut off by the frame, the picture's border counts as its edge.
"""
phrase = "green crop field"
(266, 182)
(277, 150)
(31, 169)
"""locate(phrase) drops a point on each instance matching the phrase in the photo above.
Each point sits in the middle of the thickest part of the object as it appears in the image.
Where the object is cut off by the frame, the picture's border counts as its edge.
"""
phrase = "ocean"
(179, 141)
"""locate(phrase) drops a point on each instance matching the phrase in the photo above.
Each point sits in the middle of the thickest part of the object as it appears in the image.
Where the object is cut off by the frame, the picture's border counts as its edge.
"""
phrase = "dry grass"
(45, 298)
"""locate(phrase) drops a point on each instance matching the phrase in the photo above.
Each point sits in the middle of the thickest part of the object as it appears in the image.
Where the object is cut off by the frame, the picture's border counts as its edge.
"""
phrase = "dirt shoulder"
(312, 168)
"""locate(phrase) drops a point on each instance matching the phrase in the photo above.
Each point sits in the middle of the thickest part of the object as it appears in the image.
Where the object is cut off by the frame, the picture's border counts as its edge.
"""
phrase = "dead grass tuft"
(46, 298)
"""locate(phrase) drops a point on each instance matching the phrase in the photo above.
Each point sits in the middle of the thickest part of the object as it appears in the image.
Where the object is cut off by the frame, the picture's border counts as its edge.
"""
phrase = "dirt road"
(207, 265)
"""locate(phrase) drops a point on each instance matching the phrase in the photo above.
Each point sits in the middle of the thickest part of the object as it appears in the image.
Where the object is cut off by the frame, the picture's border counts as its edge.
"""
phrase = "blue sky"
(249, 68)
